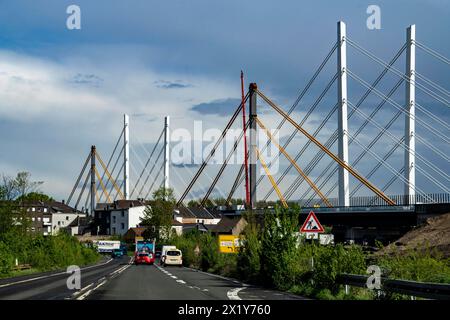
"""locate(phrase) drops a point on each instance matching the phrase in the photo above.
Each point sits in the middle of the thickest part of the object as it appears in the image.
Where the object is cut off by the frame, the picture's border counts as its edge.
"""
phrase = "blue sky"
(62, 91)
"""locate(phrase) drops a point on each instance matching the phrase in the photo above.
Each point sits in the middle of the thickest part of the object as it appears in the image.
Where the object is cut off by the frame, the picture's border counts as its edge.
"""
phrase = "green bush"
(43, 253)
(6, 259)
(422, 265)
(248, 258)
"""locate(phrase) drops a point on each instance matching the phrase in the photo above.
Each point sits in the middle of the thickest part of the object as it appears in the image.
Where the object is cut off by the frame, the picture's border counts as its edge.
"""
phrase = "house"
(48, 218)
(186, 215)
(133, 234)
(229, 225)
(117, 217)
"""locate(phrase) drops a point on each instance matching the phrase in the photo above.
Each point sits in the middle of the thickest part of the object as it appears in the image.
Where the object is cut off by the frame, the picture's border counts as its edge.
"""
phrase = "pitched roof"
(120, 205)
(138, 230)
(198, 212)
(226, 224)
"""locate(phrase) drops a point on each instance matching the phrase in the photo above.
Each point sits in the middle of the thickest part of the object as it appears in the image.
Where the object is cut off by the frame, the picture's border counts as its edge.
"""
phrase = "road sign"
(312, 224)
(229, 243)
(312, 235)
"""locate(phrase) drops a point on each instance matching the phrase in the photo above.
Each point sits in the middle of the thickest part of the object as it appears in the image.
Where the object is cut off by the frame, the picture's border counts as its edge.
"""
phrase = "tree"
(158, 215)
(18, 187)
(279, 242)
(35, 196)
(24, 185)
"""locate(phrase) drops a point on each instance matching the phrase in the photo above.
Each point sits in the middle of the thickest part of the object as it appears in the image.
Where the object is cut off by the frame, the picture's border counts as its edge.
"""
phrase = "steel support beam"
(166, 152)
(93, 191)
(344, 189)
(253, 144)
(126, 157)
(410, 141)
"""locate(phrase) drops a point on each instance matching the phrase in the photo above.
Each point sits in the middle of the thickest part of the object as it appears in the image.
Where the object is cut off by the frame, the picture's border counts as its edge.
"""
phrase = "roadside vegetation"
(273, 257)
(42, 253)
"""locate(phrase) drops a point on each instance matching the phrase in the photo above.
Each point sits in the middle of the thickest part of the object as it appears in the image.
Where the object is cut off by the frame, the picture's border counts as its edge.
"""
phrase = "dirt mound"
(434, 234)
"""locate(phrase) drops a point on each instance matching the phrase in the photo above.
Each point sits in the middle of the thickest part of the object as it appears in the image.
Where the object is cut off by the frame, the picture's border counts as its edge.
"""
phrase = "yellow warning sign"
(229, 243)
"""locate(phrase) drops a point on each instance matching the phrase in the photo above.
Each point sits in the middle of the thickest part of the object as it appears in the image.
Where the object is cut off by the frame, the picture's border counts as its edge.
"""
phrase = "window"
(123, 213)
(123, 225)
(38, 218)
(59, 223)
(114, 219)
(45, 209)
(114, 230)
(33, 209)
(67, 218)
(32, 219)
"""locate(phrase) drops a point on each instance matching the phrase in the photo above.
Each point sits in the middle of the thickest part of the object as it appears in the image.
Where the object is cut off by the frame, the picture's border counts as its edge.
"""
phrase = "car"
(144, 258)
(173, 257)
(117, 253)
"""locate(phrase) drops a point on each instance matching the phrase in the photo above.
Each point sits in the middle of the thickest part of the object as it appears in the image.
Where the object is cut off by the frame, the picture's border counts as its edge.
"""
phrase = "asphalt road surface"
(53, 285)
(179, 283)
(117, 279)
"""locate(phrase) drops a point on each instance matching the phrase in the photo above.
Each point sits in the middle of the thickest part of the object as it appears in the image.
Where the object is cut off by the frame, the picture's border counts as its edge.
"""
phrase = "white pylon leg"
(344, 189)
(166, 151)
(126, 159)
(410, 140)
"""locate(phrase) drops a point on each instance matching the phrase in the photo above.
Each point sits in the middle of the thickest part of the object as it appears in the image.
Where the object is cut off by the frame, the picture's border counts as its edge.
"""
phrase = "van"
(164, 251)
(174, 257)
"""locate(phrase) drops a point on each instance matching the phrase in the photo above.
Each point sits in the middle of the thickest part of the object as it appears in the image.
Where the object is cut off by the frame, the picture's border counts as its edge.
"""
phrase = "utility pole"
(410, 140)
(253, 145)
(344, 189)
(126, 159)
(93, 189)
(166, 152)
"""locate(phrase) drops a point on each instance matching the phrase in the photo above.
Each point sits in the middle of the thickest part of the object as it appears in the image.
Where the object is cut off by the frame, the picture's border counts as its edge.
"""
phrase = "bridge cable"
(299, 170)
(407, 149)
(272, 181)
(105, 168)
(360, 129)
(328, 152)
(82, 189)
(399, 73)
(395, 104)
(432, 52)
(300, 97)
(114, 169)
(222, 168)
(78, 179)
(103, 186)
(151, 170)
(387, 165)
(112, 155)
(211, 154)
(235, 184)
(147, 163)
(319, 155)
(156, 178)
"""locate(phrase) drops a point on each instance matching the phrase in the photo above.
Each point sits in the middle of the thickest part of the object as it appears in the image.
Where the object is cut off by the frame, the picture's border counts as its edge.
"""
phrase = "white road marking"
(181, 281)
(233, 293)
(102, 281)
(51, 275)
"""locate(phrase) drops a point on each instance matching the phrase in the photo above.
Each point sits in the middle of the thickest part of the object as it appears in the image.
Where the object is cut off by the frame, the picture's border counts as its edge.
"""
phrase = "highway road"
(117, 279)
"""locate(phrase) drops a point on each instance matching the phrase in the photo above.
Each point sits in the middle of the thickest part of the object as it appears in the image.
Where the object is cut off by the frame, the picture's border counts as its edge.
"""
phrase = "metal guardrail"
(411, 288)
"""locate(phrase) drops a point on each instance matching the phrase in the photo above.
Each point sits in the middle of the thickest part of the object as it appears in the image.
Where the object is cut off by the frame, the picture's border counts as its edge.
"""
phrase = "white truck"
(106, 246)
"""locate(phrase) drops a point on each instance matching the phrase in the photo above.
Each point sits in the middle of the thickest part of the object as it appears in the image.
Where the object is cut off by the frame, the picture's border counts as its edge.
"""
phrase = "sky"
(63, 90)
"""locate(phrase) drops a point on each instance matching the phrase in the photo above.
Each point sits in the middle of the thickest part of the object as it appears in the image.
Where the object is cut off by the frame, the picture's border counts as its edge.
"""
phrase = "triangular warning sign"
(312, 224)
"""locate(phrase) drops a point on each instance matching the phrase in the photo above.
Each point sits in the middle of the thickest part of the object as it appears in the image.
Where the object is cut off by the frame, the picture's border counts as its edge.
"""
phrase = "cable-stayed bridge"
(408, 120)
